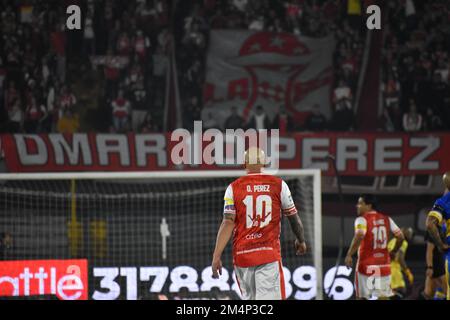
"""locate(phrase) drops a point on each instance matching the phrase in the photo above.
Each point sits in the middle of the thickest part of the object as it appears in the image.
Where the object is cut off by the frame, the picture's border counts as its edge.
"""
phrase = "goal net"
(140, 235)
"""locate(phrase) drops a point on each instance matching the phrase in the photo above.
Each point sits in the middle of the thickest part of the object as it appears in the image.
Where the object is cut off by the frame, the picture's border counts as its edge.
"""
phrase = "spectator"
(121, 112)
(260, 120)
(412, 121)
(283, 121)
(433, 122)
(16, 118)
(11, 96)
(124, 44)
(438, 95)
(35, 114)
(67, 100)
(257, 24)
(148, 125)
(8, 20)
(68, 123)
(6, 245)
(135, 78)
(391, 91)
(140, 108)
(141, 45)
(343, 94)
(89, 34)
(234, 120)
(160, 65)
(52, 107)
(58, 41)
(164, 38)
(391, 120)
(194, 37)
(343, 118)
(193, 112)
(112, 74)
(210, 122)
(316, 121)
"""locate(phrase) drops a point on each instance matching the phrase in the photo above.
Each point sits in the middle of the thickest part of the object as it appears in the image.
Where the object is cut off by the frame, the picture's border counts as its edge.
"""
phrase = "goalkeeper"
(399, 266)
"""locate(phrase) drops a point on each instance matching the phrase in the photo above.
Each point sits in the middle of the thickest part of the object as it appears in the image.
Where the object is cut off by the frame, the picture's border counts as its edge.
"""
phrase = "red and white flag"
(250, 68)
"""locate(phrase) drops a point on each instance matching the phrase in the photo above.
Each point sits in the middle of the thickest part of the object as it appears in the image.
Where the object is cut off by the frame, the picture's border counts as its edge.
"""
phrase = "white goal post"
(312, 202)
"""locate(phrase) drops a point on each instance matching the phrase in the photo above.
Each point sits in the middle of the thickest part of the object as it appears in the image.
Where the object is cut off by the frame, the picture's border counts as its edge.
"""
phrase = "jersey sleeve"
(394, 228)
(287, 204)
(360, 226)
(437, 211)
(228, 207)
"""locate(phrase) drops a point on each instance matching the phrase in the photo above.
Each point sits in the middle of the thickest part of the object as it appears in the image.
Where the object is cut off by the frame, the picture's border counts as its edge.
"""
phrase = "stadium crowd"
(110, 76)
(416, 65)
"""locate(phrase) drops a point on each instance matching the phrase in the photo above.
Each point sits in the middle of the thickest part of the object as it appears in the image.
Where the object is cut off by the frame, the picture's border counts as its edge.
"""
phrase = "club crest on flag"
(246, 69)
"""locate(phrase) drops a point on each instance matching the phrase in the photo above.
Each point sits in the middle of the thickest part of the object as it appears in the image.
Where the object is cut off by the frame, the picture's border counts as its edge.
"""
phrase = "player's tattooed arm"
(432, 228)
(229, 217)
(223, 236)
(297, 227)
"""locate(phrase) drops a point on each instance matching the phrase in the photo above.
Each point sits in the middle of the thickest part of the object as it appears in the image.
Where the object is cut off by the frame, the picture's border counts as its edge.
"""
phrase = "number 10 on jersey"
(379, 237)
(258, 211)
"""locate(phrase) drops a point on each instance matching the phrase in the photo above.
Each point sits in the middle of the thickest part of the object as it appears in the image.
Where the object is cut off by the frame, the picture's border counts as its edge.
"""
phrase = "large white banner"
(250, 68)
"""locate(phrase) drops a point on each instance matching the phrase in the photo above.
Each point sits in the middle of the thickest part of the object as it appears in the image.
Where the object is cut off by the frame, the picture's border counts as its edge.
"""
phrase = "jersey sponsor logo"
(253, 236)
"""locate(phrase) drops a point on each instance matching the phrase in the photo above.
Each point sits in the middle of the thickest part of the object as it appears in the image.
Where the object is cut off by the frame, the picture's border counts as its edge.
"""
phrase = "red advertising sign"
(66, 279)
(356, 154)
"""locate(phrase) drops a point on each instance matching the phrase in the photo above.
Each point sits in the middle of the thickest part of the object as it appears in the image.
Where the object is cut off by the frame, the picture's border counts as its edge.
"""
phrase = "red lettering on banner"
(356, 154)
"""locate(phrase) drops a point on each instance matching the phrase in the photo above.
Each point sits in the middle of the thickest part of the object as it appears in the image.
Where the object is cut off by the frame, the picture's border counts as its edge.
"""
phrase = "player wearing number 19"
(373, 269)
(253, 207)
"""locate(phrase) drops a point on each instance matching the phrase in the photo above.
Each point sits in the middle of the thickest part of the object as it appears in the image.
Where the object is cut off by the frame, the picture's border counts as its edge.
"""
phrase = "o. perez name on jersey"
(259, 188)
(378, 222)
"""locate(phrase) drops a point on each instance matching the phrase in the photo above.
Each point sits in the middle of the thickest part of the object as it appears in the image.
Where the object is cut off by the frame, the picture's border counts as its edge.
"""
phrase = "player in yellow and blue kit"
(440, 214)
(399, 266)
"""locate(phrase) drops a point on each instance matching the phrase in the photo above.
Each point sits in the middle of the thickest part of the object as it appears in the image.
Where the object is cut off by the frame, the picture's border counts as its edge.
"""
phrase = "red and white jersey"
(121, 108)
(123, 45)
(67, 101)
(140, 45)
(257, 200)
(35, 112)
(373, 253)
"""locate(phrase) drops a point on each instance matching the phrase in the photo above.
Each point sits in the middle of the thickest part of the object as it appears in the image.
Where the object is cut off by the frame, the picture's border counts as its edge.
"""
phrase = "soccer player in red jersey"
(253, 209)
(373, 269)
